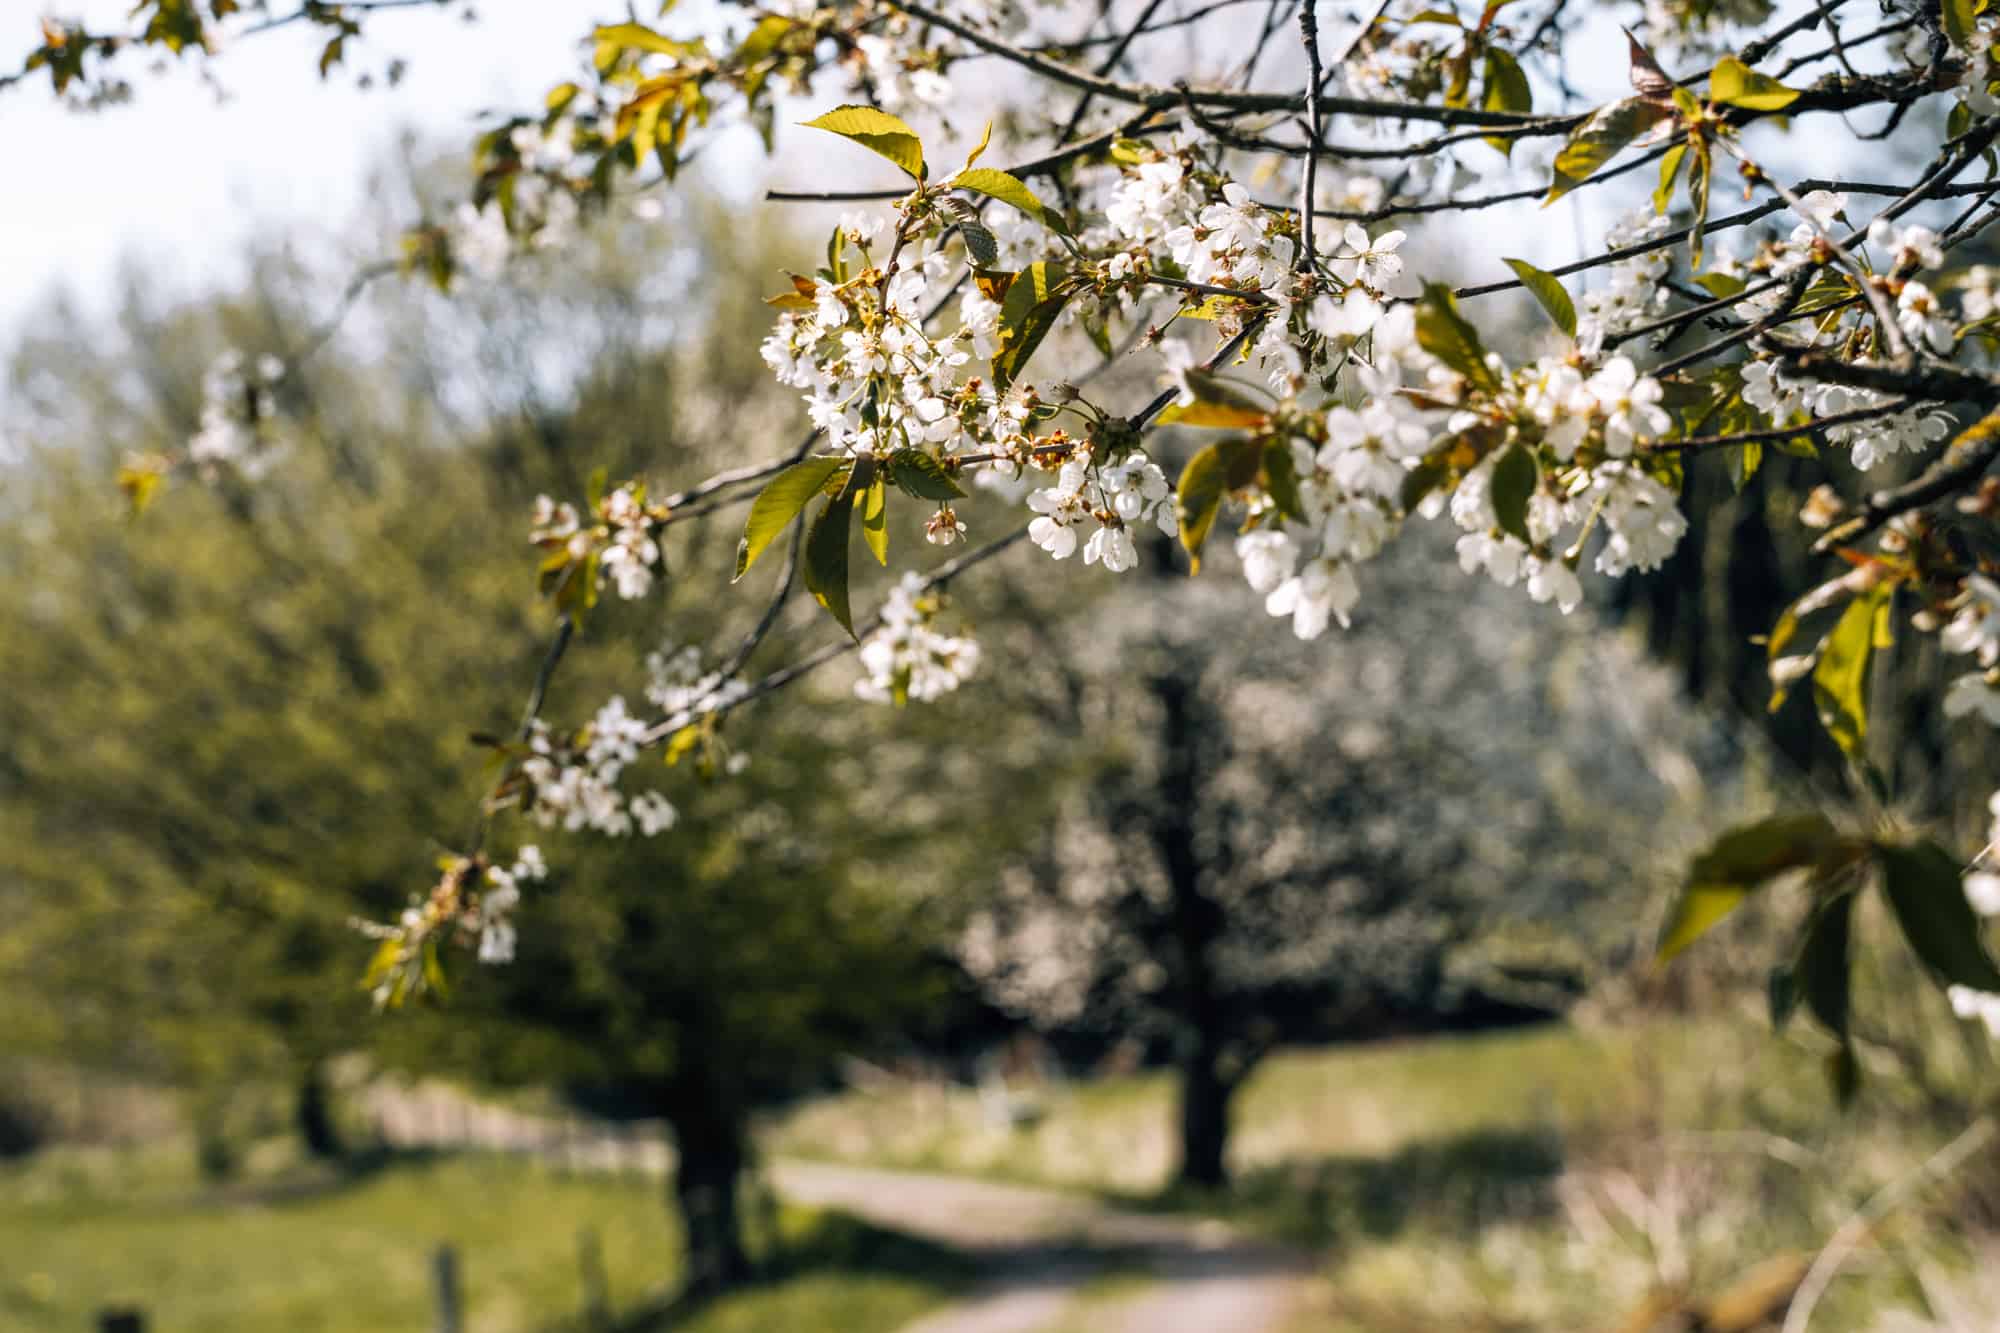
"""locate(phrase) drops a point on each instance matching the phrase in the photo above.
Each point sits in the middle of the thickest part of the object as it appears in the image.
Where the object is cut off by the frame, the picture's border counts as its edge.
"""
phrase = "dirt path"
(1043, 1250)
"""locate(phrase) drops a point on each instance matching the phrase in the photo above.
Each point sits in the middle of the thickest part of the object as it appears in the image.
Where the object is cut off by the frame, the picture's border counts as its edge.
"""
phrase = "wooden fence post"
(596, 1293)
(445, 1280)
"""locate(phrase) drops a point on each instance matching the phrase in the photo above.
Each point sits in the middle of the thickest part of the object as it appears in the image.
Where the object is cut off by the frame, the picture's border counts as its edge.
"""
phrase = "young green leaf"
(878, 131)
(1749, 458)
(1925, 891)
(875, 519)
(1733, 83)
(1506, 90)
(917, 474)
(1599, 139)
(1281, 480)
(1670, 169)
(763, 39)
(1823, 964)
(985, 138)
(980, 242)
(826, 557)
(1958, 16)
(1217, 404)
(1034, 300)
(1840, 681)
(615, 37)
(1546, 289)
(1207, 478)
(1429, 474)
(1700, 167)
(1008, 190)
(1515, 479)
(1443, 332)
(1735, 865)
(779, 503)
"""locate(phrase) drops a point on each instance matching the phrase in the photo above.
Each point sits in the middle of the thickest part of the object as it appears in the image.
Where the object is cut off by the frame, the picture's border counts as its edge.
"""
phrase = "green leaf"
(1782, 992)
(1670, 169)
(1958, 16)
(763, 39)
(1443, 332)
(1281, 480)
(1840, 680)
(1207, 478)
(980, 242)
(1927, 894)
(919, 475)
(826, 558)
(985, 137)
(1008, 190)
(875, 519)
(1034, 299)
(1755, 852)
(1736, 864)
(1599, 139)
(1700, 167)
(878, 131)
(1555, 301)
(1748, 458)
(1823, 972)
(1700, 906)
(1515, 478)
(1217, 403)
(779, 503)
(1733, 83)
(615, 37)
(1506, 90)
(1720, 284)
(1216, 416)
(1429, 474)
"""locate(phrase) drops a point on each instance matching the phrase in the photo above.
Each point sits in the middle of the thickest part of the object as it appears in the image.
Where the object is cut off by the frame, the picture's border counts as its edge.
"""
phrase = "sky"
(177, 177)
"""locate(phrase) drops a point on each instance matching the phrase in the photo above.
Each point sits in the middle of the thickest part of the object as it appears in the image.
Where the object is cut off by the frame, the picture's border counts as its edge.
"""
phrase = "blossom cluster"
(621, 546)
(1982, 890)
(236, 401)
(573, 781)
(494, 910)
(1921, 318)
(1634, 289)
(907, 657)
(1106, 500)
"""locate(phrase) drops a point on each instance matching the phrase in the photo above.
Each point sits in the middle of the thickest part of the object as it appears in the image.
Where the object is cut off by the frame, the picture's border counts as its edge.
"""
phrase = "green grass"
(316, 1253)
(1548, 1179)
(1370, 1100)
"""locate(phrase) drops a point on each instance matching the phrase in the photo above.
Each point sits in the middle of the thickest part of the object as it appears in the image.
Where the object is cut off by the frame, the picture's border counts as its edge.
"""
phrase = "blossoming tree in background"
(1207, 190)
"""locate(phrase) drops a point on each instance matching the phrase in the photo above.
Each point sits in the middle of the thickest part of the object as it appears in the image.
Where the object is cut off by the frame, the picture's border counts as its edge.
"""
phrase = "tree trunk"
(1205, 1098)
(713, 1153)
(1197, 921)
(314, 1112)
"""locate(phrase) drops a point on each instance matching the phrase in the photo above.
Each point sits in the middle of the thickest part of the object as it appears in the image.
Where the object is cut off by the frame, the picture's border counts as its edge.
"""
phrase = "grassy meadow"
(1559, 1178)
(315, 1252)
(1551, 1178)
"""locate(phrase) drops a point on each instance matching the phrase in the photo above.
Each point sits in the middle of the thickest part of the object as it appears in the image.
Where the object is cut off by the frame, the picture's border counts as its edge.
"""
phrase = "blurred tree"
(250, 703)
(1264, 831)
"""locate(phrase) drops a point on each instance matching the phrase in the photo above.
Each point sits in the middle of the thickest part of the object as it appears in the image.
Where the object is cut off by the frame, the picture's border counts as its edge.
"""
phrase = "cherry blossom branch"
(1133, 128)
(1309, 34)
(1964, 461)
(1161, 98)
(839, 648)
(1817, 426)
